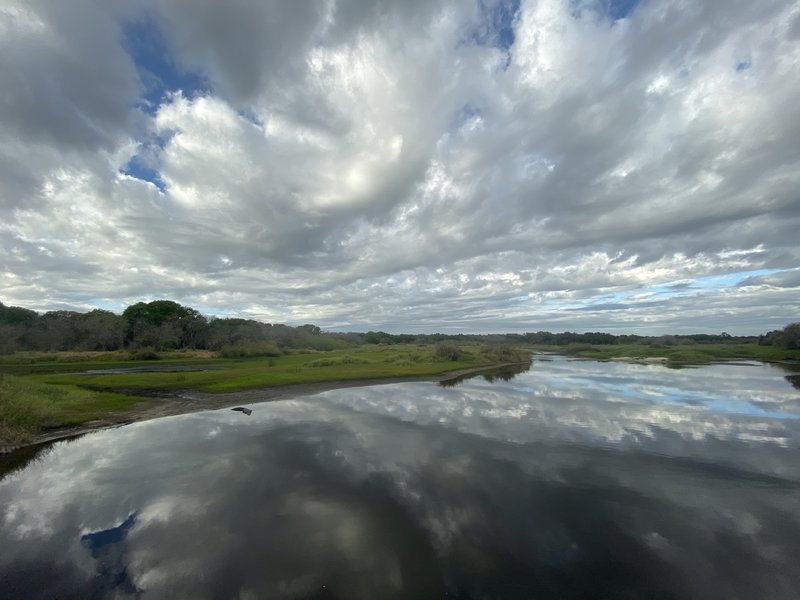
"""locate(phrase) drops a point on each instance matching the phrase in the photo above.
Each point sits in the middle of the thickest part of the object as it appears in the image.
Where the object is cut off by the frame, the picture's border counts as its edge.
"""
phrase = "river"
(575, 479)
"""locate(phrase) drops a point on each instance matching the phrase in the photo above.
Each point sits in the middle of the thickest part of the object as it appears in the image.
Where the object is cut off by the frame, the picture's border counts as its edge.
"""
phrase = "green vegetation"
(28, 407)
(53, 390)
(226, 375)
(678, 354)
(775, 346)
(52, 362)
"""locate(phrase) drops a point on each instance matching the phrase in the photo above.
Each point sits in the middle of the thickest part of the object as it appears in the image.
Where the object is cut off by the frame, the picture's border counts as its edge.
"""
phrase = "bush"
(447, 350)
(505, 353)
(577, 347)
(145, 353)
(791, 336)
(338, 360)
(249, 350)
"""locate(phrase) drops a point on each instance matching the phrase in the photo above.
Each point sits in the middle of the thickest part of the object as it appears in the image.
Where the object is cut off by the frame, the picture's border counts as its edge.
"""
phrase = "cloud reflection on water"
(534, 487)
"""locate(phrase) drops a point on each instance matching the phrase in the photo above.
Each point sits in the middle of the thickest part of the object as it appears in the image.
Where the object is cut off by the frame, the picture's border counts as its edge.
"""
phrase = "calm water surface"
(577, 479)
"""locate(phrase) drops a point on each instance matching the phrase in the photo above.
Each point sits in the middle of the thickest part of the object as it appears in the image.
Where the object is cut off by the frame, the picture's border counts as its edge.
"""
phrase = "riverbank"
(677, 354)
(42, 393)
(176, 402)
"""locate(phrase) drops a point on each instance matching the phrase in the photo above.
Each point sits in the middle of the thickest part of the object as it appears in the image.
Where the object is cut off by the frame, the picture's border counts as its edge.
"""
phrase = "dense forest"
(166, 325)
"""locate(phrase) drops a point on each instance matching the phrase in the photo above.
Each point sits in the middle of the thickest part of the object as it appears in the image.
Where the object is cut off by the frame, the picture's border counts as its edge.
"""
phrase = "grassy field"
(696, 354)
(48, 390)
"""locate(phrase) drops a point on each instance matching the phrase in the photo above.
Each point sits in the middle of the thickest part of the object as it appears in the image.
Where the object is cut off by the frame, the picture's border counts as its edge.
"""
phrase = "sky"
(406, 165)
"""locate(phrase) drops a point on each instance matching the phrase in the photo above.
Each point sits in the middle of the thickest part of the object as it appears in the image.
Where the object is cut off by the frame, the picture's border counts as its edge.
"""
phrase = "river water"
(576, 479)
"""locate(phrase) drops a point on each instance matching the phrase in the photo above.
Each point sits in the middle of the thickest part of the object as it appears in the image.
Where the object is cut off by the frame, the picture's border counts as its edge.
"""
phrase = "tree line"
(166, 325)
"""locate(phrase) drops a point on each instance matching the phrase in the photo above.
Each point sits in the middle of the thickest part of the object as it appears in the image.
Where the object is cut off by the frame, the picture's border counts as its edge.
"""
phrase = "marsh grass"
(28, 407)
(683, 354)
(229, 374)
(42, 391)
(335, 361)
(119, 356)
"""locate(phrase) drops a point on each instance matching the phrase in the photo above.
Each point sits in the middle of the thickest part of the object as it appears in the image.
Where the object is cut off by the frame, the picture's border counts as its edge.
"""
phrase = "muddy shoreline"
(179, 402)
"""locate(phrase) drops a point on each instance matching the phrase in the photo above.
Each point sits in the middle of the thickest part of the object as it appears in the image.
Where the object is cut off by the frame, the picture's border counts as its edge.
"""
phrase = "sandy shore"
(188, 401)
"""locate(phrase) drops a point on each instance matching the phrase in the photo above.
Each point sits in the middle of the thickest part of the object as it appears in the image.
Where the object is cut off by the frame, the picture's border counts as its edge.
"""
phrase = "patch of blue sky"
(138, 168)
(744, 64)
(497, 24)
(143, 165)
(690, 287)
(157, 69)
(614, 10)
(620, 9)
(664, 291)
(730, 279)
(502, 15)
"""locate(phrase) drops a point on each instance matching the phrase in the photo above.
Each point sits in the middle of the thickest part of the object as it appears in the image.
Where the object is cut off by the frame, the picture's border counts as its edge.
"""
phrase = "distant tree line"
(157, 326)
(166, 325)
(788, 337)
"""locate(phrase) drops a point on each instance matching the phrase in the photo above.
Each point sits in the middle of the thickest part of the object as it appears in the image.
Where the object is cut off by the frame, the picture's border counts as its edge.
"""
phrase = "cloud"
(782, 279)
(402, 165)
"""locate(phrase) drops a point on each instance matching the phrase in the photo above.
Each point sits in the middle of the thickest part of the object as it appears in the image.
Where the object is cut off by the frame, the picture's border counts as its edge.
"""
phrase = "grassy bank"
(50, 390)
(228, 375)
(680, 354)
(29, 407)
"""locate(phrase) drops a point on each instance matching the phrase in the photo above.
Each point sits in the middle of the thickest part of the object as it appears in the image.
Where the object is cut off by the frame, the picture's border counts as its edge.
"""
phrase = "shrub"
(447, 350)
(577, 347)
(144, 353)
(338, 360)
(250, 350)
(505, 353)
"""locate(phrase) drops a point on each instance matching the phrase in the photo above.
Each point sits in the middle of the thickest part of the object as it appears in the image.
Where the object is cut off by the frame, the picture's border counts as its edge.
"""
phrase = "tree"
(164, 324)
(15, 326)
(236, 332)
(100, 330)
(791, 336)
(15, 315)
(788, 337)
(54, 331)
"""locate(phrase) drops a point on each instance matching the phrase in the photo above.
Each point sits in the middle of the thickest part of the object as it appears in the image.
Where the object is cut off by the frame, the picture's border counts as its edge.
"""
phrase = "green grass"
(45, 390)
(28, 407)
(685, 354)
(226, 375)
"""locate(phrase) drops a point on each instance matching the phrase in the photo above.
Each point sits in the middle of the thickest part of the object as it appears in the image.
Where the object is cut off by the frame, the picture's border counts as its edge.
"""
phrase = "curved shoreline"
(188, 401)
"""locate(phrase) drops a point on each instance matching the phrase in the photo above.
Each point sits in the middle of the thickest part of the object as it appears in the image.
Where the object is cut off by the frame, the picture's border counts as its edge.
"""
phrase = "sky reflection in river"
(577, 479)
